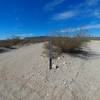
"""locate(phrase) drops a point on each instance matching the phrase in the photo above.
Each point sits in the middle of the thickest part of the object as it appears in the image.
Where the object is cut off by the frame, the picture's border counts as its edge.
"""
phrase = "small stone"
(58, 58)
(64, 83)
(54, 66)
(57, 67)
(64, 63)
(47, 94)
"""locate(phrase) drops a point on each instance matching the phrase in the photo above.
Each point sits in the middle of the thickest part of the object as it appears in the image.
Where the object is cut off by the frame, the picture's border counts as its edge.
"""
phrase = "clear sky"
(42, 17)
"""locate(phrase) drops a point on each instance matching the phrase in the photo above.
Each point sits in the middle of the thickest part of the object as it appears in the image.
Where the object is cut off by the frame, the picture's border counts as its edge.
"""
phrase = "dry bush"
(15, 40)
(10, 42)
(55, 53)
(67, 44)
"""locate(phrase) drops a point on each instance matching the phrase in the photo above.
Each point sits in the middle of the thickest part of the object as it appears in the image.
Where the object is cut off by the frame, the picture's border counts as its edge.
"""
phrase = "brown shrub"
(10, 42)
(55, 53)
(67, 44)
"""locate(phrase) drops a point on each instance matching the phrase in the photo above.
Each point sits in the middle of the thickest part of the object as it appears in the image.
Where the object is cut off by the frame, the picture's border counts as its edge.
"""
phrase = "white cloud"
(86, 27)
(22, 34)
(53, 4)
(92, 2)
(64, 15)
(95, 26)
(97, 13)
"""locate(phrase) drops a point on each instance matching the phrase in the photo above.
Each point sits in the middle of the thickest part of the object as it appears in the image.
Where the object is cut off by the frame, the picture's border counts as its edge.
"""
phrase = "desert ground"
(25, 74)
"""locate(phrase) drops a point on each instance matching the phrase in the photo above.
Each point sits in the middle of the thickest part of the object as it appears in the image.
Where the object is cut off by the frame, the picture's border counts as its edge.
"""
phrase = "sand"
(25, 75)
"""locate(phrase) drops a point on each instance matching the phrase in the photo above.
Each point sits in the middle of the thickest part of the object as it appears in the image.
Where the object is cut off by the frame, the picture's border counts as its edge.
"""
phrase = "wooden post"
(50, 53)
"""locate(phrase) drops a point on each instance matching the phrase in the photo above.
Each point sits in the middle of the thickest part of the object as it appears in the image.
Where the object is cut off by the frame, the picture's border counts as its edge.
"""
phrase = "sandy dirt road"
(24, 75)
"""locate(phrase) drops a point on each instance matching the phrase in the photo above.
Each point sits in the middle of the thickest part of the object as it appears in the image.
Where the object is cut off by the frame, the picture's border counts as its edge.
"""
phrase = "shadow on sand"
(83, 54)
(6, 49)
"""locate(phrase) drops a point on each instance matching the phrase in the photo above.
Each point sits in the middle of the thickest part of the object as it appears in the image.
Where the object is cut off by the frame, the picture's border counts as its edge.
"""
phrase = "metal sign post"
(50, 53)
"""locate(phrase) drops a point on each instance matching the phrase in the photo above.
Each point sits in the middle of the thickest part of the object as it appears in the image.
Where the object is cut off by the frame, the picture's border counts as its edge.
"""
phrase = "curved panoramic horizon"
(27, 18)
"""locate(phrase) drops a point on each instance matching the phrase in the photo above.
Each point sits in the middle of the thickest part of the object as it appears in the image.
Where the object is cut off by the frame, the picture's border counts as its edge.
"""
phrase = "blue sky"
(42, 17)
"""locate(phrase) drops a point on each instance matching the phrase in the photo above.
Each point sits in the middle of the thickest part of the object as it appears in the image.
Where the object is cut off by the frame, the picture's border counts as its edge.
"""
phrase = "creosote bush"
(67, 44)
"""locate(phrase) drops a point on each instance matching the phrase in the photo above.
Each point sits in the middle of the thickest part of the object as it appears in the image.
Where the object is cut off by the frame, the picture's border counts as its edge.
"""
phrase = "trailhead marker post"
(50, 53)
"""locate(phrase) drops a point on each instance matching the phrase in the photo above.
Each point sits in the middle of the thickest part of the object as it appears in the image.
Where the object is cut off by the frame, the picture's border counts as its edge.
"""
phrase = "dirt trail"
(24, 75)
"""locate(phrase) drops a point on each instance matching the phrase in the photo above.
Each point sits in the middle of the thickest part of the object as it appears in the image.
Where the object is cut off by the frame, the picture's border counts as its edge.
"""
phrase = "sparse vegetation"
(15, 40)
(55, 53)
(10, 42)
(67, 44)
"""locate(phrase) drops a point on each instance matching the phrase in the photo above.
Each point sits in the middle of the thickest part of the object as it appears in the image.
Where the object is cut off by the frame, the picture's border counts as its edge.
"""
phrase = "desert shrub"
(67, 44)
(10, 42)
(55, 49)
(15, 40)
